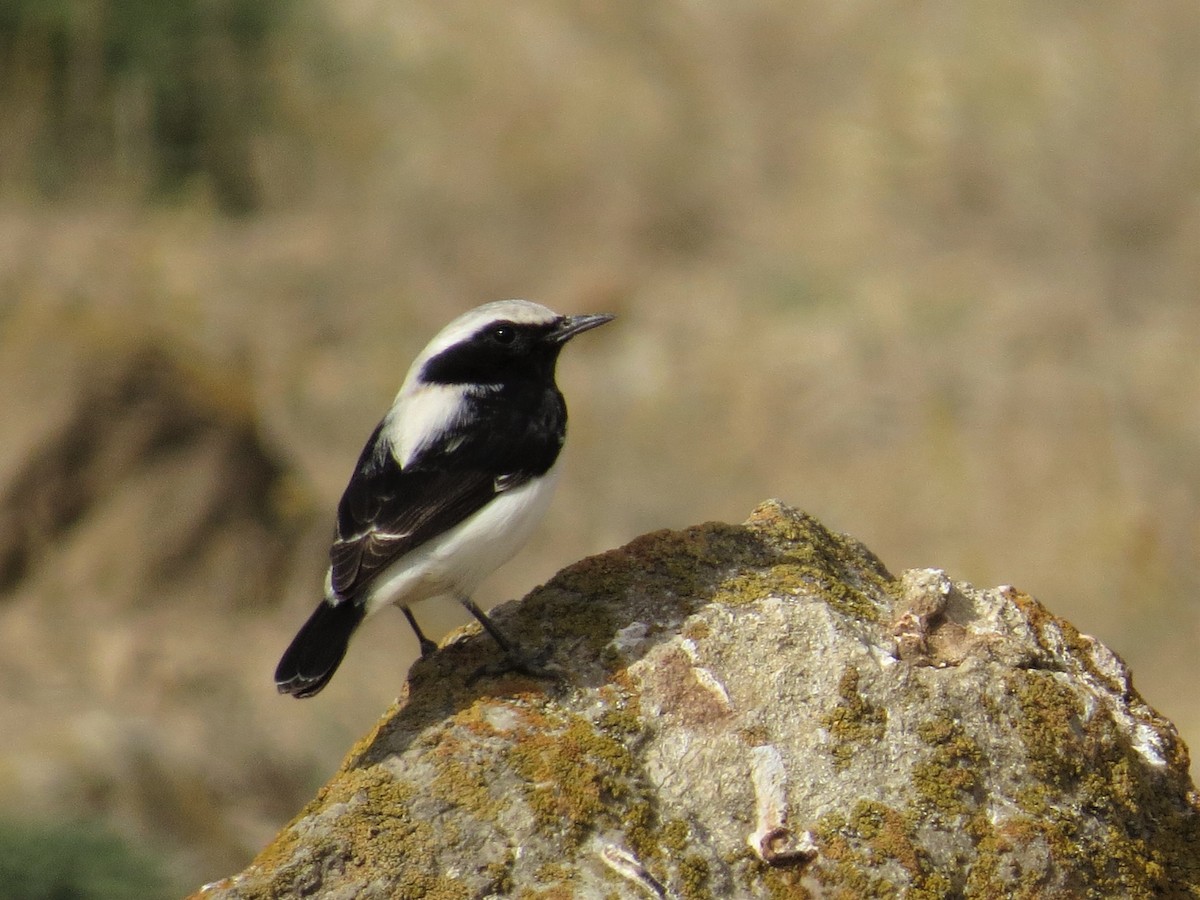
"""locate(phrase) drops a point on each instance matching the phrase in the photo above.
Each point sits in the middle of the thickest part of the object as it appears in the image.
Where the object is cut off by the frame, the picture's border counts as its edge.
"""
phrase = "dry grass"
(928, 273)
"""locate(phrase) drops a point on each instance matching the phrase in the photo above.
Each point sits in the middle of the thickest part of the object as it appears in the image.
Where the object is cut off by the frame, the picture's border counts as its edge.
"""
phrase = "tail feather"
(317, 649)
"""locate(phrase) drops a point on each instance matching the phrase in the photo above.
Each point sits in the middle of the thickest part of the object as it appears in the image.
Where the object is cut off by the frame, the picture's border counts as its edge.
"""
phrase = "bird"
(450, 484)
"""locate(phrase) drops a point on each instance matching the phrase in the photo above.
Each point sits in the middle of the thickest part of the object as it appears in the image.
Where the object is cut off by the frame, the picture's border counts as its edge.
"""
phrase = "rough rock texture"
(757, 711)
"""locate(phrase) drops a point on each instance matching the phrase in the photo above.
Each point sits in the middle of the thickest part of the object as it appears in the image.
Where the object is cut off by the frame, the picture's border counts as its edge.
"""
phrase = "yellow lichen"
(693, 878)
(944, 781)
(853, 721)
(853, 848)
(575, 775)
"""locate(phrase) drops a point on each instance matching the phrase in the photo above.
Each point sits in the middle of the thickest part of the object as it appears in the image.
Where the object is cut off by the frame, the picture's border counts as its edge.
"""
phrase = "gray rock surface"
(757, 711)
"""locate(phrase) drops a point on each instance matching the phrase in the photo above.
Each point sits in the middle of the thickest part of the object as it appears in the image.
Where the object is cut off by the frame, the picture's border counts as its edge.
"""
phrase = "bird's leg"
(514, 659)
(428, 647)
(489, 626)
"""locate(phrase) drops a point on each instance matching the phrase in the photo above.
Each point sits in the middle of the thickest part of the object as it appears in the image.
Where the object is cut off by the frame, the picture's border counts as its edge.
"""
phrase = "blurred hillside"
(928, 272)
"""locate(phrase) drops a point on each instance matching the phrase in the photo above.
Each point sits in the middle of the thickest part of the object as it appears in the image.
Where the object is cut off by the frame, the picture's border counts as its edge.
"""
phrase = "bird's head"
(498, 343)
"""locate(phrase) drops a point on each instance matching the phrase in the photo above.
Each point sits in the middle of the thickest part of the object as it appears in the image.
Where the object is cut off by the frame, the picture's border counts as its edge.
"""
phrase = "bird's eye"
(504, 334)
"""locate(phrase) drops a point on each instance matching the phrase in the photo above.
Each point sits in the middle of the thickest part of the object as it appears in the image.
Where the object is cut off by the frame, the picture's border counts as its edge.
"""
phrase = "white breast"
(455, 562)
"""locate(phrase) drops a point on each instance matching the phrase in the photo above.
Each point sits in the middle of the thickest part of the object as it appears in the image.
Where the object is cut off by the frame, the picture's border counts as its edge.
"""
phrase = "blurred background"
(929, 271)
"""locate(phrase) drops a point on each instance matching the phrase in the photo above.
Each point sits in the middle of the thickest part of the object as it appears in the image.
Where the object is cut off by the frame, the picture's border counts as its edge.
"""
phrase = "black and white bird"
(450, 484)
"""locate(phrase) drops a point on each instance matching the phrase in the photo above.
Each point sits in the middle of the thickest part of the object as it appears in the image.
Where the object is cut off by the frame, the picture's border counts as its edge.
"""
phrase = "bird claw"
(428, 648)
(515, 662)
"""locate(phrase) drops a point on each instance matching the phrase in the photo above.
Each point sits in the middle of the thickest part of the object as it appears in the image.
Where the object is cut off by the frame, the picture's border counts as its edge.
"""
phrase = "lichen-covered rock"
(757, 711)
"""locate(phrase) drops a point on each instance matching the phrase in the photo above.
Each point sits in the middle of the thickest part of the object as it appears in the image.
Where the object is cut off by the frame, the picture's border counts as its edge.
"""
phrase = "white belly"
(455, 562)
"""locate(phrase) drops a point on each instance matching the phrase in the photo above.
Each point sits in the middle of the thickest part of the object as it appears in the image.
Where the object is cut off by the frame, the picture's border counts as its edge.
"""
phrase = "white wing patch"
(382, 535)
(421, 415)
(506, 482)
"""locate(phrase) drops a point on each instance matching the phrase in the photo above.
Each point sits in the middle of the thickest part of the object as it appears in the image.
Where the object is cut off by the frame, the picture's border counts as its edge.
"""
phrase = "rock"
(757, 711)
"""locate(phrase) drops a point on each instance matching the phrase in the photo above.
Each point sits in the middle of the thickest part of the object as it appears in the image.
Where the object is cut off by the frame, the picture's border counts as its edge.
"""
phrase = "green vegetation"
(75, 862)
(155, 94)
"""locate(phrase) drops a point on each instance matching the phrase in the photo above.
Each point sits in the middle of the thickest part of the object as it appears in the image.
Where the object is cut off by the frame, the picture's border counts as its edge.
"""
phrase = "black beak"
(569, 326)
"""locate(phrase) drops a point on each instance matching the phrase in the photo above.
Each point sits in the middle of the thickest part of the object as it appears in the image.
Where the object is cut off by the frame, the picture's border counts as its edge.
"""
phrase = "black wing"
(421, 506)
(388, 511)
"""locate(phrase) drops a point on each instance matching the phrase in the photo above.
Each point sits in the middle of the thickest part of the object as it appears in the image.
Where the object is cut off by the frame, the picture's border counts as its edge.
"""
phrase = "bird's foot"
(428, 648)
(516, 662)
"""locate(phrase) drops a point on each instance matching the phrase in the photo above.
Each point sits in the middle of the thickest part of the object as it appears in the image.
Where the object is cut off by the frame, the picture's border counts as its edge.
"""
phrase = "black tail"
(317, 650)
